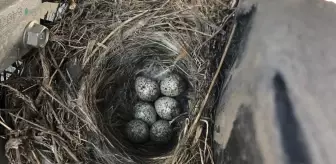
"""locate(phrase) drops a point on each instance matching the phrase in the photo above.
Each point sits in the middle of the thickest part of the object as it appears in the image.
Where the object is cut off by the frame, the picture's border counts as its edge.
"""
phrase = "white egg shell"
(137, 131)
(161, 132)
(167, 108)
(145, 111)
(147, 89)
(172, 85)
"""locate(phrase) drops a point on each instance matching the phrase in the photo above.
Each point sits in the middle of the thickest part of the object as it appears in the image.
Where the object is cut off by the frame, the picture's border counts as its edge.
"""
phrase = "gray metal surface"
(280, 107)
(5, 3)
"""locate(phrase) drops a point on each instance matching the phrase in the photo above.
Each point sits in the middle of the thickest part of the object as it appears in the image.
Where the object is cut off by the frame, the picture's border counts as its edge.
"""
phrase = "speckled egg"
(161, 132)
(137, 131)
(147, 89)
(173, 85)
(145, 111)
(167, 108)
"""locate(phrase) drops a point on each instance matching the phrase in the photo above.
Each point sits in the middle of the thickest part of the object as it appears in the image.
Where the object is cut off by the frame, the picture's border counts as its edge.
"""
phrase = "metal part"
(35, 35)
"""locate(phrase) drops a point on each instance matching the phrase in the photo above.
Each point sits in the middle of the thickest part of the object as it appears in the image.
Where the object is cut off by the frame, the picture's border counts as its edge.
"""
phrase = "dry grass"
(70, 100)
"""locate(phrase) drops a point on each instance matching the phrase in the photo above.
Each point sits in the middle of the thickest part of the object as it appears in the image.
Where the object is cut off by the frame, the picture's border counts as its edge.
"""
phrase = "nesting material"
(53, 115)
(161, 132)
(167, 108)
(145, 111)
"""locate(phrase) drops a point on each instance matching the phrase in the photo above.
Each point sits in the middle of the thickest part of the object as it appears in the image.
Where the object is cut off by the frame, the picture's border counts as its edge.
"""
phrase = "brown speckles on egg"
(147, 89)
(167, 108)
(145, 111)
(173, 85)
(161, 132)
(137, 131)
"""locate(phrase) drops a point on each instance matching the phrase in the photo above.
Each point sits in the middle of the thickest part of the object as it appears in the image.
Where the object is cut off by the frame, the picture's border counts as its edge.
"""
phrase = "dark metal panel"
(287, 78)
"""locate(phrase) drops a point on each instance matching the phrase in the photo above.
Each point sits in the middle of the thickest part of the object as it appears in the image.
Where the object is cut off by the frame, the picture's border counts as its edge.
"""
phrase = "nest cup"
(116, 87)
(156, 55)
(113, 75)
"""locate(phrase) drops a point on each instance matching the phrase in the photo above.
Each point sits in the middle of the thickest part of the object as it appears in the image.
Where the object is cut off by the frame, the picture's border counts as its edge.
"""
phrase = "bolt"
(36, 35)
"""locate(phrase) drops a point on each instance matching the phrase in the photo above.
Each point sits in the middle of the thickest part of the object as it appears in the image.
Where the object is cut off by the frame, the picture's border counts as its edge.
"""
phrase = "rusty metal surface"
(283, 88)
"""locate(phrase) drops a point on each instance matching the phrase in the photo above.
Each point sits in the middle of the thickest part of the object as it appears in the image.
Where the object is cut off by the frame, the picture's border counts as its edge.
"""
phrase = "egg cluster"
(157, 106)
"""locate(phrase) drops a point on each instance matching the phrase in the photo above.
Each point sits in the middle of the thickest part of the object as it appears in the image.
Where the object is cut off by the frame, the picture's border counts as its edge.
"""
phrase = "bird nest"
(69, 102)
